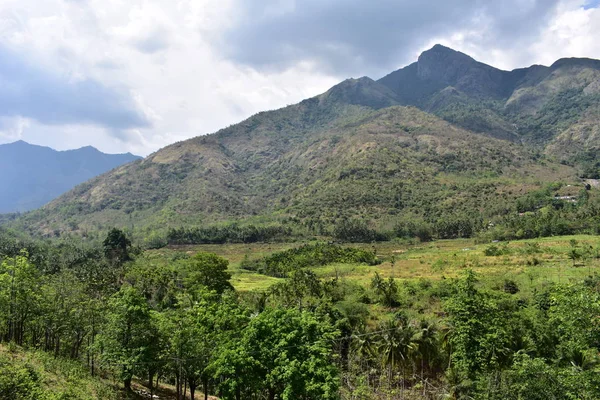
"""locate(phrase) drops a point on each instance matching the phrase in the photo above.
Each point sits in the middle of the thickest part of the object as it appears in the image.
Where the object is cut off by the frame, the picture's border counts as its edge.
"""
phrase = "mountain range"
(34, 175)
(443, 136)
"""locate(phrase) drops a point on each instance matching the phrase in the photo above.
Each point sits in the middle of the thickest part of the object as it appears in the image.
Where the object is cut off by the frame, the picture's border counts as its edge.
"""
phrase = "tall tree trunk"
(57, 348)
(205, 386)
(150, 381)
(192, 390)
(127, 383)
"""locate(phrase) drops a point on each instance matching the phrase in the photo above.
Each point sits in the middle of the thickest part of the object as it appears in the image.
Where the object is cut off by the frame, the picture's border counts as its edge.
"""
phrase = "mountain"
(538, 105)
(443, 137)
(33, 175)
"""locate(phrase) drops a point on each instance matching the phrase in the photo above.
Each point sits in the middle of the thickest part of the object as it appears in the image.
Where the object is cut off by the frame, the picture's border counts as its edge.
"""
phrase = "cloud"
(137, 75)
(154, 42)
(357, 36)
(31, 91)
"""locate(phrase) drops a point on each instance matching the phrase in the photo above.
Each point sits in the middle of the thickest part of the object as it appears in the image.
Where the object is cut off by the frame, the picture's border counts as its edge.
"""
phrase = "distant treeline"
(227, 234)
(539, 213)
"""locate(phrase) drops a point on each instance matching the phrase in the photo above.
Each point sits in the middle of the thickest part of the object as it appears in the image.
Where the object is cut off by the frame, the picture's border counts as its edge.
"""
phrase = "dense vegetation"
(180, 322)
(227, 234)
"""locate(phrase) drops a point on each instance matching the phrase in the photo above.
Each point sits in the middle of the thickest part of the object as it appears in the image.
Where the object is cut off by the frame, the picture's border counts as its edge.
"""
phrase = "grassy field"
(530, 263)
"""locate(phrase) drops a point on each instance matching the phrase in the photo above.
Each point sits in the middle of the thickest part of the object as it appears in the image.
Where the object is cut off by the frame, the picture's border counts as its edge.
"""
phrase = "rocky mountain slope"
(537, 105)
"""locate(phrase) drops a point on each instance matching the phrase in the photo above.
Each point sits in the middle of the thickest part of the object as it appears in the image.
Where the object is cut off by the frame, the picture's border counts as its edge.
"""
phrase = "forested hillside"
(444, 139)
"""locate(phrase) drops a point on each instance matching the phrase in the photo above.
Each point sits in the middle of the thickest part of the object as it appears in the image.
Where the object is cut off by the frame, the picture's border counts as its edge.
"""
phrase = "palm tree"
(363, 348)
(396, 345)
(427, 347)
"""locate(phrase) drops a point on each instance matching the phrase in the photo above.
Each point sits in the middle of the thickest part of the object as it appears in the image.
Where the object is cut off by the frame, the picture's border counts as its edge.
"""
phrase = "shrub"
(511, 286)
(494, 250)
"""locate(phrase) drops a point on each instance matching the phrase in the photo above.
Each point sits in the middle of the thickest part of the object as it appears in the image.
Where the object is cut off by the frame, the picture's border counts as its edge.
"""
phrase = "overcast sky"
(136, 75)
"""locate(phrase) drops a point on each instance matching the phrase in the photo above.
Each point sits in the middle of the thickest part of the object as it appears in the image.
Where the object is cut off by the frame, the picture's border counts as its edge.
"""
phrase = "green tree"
(129, 338)
(480, 337)
(117, 247)
(387, 291)
(397, 344)
(208, 270)
(283, 354)
(19, 297)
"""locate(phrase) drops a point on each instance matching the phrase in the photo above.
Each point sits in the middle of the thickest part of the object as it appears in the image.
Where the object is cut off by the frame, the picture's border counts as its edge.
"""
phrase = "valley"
(432, 234)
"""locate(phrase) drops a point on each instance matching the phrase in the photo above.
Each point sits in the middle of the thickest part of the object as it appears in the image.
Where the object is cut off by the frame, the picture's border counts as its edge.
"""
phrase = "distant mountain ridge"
(32, 175)
(442, 137)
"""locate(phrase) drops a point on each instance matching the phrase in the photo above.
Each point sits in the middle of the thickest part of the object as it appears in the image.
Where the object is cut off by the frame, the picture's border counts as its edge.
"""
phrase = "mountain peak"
(20, 143)
(440, 48)
(443, 64)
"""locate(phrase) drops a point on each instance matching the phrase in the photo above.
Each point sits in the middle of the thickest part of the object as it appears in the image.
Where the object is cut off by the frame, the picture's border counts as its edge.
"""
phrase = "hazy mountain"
(33, 175)
(443, 136)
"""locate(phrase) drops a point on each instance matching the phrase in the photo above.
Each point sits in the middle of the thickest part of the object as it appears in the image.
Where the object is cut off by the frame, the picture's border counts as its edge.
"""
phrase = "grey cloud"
(155, 41)
(361, 36)
(30, 91)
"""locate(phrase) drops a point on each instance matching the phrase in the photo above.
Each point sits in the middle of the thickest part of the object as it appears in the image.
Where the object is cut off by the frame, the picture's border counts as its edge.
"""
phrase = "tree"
(19, 296)
(386, 290)
(427, 346)
(208, 270)
(129, 339)
(480, 334)
(396, 345)
(117, 247)
(284, 354)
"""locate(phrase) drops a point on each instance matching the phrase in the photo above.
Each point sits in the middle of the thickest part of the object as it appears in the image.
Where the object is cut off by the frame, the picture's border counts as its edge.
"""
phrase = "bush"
(494, 250)
(511, 286)
(19, 381)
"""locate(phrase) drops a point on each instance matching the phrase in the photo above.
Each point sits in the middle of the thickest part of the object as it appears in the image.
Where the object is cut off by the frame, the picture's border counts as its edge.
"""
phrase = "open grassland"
(530, 263)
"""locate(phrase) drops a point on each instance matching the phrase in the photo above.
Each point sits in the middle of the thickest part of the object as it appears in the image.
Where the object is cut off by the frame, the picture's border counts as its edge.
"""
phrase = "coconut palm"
(396, 345)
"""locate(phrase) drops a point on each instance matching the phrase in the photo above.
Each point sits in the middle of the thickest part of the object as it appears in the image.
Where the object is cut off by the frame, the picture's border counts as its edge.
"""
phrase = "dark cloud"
(369, 36)
(34, 92)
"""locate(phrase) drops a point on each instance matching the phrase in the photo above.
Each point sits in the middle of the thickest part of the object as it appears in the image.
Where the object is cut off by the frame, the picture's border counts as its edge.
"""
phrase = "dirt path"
(164, 392)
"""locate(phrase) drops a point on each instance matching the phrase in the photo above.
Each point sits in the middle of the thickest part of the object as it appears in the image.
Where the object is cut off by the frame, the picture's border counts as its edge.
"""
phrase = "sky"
(137, 75)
